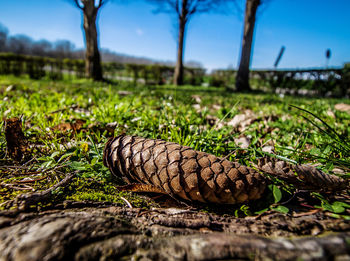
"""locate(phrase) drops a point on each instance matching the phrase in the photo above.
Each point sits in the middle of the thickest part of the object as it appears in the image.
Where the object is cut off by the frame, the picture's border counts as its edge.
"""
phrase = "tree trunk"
(93, 67)
(179, 68)
(242, 79)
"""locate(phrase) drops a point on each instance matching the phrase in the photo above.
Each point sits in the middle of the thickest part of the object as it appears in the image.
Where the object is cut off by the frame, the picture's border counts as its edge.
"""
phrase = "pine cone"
(181, 171)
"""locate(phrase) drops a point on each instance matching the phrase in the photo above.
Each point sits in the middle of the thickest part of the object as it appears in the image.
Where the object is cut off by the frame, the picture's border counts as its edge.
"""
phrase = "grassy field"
(68, 123)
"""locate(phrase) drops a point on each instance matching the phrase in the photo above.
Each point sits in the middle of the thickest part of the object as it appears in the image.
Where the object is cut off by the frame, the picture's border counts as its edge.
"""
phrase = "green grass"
(164, 112)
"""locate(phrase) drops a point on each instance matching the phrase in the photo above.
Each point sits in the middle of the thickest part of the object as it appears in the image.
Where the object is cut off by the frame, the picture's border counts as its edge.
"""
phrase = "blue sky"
(305, 27)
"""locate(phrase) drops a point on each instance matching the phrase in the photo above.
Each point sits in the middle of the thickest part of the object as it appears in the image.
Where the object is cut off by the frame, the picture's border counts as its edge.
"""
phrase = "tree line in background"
(183, 11)
(23, 44)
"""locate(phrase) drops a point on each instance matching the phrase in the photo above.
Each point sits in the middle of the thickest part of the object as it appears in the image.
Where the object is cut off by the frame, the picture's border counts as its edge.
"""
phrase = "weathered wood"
(112, 233)
(16, 143)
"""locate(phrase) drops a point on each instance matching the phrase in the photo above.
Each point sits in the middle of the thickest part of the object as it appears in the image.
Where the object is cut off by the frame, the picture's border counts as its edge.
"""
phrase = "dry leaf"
(242, 121)
(197, 98)
(216, 107)
(124, 93)
(197, 107)
(342, 107)
(82, 111)
(67, 126)
(237, 120)
(331, 114)
(10, 88)
(242, 142)
(268, 149)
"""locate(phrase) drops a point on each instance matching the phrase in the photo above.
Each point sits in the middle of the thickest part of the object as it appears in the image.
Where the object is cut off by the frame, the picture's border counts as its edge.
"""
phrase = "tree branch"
(192, 6)
(101, 3)
(78, 5)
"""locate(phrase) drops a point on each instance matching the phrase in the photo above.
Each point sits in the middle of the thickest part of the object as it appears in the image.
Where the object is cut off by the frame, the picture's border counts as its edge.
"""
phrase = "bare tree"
(20, 44)
(42, 48)
(64, 48)
(90, 10)
(3, 37)
(242, 79)
(184, 10)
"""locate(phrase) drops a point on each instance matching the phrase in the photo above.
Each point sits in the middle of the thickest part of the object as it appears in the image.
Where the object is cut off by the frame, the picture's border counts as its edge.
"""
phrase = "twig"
(73, 106)
(311, 212)
(30, 180)
(6, 167)
(228, 155)
(11, 186)
(17, 168)
(293, 196)
(127, 202)
(24, 201)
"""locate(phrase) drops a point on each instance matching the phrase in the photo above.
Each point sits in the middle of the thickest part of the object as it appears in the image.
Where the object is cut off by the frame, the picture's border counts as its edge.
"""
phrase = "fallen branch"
(30, 180)
(12, 186)
(24, 201)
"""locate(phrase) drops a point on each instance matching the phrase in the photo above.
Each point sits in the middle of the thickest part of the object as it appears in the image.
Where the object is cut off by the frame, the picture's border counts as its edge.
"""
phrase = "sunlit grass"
(169, 113)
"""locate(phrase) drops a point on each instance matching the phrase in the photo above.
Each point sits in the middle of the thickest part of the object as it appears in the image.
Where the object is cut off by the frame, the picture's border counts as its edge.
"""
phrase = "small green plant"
(332, 148)
(337, 208)
(275, 205)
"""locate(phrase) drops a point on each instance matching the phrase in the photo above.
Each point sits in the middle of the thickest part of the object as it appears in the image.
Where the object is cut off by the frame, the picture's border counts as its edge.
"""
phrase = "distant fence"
(56, 69)
(333, 82)
(323, 82)
(39, 67)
